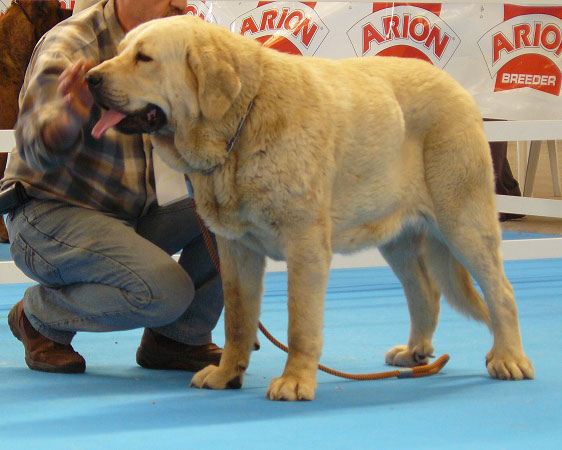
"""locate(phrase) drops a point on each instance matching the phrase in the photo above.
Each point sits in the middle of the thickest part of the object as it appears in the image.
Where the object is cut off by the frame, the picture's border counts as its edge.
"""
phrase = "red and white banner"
(524, 50)
(509, 57)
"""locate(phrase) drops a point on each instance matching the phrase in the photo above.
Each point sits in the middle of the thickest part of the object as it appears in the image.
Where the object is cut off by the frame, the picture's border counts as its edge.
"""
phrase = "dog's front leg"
(242, 272)
(308, 262)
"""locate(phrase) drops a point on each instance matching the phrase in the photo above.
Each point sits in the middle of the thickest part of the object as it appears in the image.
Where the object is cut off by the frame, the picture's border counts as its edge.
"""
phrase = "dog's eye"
(142, 57)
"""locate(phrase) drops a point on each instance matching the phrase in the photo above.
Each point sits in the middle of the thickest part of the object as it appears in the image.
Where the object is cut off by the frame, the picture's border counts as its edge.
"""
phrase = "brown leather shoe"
(159, 352)
(41, 353)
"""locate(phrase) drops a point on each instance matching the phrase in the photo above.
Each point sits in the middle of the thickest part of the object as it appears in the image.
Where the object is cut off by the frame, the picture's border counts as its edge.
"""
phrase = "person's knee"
(171, 293)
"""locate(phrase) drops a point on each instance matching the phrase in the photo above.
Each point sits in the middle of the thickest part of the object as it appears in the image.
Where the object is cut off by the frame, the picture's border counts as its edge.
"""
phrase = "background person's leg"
(505, 182)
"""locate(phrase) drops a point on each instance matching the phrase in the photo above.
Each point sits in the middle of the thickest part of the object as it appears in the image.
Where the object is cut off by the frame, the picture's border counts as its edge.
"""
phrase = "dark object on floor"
(505, 217)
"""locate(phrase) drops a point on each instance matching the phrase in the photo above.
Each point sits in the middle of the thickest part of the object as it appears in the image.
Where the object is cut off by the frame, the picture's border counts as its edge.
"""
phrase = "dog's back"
(394, 126)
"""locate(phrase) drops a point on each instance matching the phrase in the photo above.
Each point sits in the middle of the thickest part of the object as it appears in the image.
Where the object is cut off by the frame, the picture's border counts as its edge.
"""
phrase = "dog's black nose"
(94, 80)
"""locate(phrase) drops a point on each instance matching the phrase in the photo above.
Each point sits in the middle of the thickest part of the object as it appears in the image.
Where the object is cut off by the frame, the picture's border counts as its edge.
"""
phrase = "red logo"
(524, 50)
(288, 27)
(406, 30)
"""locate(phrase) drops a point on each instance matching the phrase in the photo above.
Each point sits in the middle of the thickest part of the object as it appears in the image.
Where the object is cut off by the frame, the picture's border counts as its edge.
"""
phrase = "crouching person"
(90, 231)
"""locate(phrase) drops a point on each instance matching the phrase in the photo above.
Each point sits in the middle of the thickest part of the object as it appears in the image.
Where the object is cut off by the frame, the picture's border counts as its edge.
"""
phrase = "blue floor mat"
(116, 404)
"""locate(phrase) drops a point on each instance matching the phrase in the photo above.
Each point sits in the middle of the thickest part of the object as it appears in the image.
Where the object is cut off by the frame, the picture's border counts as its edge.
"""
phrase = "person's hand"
(73, 88)
(77, 104)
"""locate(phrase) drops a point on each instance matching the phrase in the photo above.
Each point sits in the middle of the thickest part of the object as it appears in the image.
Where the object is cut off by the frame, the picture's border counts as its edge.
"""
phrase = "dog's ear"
(218, 84)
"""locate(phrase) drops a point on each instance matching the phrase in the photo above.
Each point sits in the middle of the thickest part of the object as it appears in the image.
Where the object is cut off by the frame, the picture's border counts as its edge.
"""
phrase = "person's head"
(131, 13)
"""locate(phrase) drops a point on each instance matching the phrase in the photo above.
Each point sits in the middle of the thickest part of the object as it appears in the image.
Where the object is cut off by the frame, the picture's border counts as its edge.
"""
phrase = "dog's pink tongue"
(108, 120)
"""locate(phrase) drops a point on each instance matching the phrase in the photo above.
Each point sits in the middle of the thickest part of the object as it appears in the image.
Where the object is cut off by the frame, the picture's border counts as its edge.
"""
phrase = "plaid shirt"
(114, 174)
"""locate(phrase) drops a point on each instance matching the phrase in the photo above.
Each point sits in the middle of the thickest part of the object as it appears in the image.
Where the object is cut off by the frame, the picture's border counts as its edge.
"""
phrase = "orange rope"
(414, 372)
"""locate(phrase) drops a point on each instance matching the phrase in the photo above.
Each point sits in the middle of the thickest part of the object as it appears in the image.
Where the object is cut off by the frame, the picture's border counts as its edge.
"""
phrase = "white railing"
(7, 141)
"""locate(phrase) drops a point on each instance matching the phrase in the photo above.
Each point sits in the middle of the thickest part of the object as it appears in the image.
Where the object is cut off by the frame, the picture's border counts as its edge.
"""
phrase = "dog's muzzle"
(149, 119)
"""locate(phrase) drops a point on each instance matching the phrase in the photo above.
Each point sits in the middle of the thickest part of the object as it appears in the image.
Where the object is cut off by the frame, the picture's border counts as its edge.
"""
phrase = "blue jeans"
(100, 273)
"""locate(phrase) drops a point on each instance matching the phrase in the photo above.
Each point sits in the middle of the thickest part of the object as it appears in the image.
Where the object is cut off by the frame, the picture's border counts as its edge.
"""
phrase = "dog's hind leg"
(406, 257)
(466, 217)
(242, 272)
(479, 251)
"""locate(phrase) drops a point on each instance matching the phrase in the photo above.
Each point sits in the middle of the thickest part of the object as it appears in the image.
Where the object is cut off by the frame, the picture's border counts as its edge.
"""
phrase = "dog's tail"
(455, 282)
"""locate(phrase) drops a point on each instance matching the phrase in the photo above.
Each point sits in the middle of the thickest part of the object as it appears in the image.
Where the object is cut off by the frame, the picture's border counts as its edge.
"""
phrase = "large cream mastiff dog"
(296, 158)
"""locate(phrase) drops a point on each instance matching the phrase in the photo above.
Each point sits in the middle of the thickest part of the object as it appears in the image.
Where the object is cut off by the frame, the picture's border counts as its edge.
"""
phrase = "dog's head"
(169, 70)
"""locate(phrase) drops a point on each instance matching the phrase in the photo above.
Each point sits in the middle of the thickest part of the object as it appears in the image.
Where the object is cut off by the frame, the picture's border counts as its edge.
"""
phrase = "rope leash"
(410, 372)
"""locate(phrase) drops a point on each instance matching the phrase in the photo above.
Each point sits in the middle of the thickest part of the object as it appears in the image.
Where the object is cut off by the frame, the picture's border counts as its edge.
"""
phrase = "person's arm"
(54, 104)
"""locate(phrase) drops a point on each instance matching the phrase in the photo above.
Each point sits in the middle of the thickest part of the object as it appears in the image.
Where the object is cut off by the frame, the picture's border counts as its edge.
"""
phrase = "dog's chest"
(240, 219)
(257, 231)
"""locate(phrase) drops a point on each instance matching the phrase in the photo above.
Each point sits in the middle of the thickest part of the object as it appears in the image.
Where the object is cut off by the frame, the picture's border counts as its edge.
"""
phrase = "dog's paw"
(291, 388)
(213, 377)
(403, 356)
(508, 367)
